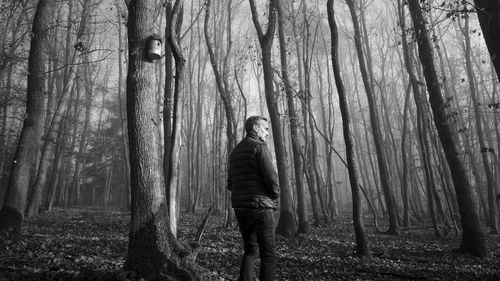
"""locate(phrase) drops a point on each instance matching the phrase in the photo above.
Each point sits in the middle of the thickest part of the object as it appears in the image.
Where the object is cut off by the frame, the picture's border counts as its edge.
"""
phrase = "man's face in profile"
(262, 129)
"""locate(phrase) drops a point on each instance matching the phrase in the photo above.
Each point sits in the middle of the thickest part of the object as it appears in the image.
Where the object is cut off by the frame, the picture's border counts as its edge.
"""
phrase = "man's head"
(259, 125)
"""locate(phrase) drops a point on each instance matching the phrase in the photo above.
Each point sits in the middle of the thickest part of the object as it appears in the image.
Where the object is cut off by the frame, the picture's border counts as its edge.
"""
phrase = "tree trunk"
(377, 136)
(12, 212)
(303, 226)
(473, 241)
(173, 37)
(152, 249)
(168, 100)
(55, 175)
(4, 131)
(123, 117)
(286, 223)
(221, 80)
(404, 154)
(488, 12)
(492, 207)
(362, 248)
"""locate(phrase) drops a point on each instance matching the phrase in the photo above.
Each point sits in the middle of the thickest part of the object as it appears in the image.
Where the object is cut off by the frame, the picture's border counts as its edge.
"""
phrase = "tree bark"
(298, 166)
(153, 250)
(221, 79)
(488, 12)
(123, 117)
(173, 38)
(286, 223)
(12, 212)
(422, 132)
(492, 206)
(362, 244)
(167, 100)
(473, 241)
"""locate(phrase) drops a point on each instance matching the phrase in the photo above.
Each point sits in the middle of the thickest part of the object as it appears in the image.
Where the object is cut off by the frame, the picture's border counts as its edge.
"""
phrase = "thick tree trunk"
(152, 249)
(488, 12)
(362, 248)
(12, 212)
(473, 241)
(286, 223)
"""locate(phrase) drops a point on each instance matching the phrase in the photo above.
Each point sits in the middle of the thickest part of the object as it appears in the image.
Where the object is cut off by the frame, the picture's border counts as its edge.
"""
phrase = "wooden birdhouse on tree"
(154, 45)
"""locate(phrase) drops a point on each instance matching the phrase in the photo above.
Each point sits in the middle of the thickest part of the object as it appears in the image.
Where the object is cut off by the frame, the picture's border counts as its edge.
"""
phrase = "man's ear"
(255, 127)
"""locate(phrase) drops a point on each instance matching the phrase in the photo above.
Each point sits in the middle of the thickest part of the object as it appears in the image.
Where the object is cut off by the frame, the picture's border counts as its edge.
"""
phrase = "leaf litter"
(90, 244)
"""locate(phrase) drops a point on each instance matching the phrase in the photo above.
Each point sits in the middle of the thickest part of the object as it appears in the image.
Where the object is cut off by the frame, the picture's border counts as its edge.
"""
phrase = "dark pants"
(257, 231)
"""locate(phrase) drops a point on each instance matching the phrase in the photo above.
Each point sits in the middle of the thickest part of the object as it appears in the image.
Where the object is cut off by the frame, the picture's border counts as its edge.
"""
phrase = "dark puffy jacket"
(252, 178)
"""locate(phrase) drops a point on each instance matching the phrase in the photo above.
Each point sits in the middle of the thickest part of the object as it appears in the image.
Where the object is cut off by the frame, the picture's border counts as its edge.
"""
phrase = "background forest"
(404, 173)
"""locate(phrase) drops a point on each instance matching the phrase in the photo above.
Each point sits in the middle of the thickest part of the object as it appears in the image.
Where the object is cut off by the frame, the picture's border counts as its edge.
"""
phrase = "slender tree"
(298, 166)
(377, 136)
(221, 73)
(492, 206)
(473, 241)
(362, 244)
(286, 224)
(167, 99)
(174, 38)
(122, 113)
(422, 128)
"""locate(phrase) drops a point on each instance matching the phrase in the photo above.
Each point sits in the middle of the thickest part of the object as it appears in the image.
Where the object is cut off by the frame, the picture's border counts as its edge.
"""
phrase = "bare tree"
(473, 241)
(375, 127)
(466, 46)
(221, 73)
(153, 249)
(286, 223)
(363, 248)
(298, 165)
(122, 113)
(12, 212)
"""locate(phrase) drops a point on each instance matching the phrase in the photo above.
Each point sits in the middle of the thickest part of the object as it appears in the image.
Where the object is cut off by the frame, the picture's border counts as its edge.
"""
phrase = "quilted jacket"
(252, 178)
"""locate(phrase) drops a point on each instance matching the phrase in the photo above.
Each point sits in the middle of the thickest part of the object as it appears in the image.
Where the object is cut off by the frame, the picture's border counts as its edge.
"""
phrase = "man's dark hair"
(252, 120)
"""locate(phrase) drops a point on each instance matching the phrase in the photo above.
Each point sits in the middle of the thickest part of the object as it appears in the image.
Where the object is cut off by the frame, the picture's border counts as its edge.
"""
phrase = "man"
(253, 182)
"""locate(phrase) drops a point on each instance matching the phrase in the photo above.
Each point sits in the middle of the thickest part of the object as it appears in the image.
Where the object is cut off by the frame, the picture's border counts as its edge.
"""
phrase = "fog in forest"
(421, 95)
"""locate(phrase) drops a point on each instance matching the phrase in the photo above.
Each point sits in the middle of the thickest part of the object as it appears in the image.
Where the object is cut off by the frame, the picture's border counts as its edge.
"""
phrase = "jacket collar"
(253, 135)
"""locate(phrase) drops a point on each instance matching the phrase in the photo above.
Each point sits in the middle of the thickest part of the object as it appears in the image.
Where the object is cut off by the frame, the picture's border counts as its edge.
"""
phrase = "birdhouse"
(154, 47)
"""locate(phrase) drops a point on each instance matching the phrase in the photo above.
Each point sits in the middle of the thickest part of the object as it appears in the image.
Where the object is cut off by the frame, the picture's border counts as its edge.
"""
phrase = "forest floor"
(85, 244)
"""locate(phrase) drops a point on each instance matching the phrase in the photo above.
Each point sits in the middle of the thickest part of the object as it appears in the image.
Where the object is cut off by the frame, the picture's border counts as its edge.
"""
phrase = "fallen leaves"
(92, 245)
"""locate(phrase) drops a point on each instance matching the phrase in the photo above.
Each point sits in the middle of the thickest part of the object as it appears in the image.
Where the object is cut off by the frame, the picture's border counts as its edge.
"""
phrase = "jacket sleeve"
(269, 174)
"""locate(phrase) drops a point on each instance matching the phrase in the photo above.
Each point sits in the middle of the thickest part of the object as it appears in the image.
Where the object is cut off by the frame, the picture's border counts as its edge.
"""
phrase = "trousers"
(257, 230)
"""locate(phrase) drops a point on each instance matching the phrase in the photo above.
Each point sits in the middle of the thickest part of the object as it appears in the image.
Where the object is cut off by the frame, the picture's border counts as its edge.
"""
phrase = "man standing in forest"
(253, 182)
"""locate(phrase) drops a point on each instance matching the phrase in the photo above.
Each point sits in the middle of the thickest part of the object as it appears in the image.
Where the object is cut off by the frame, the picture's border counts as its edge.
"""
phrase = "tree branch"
(174, 29)
(255, 19)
